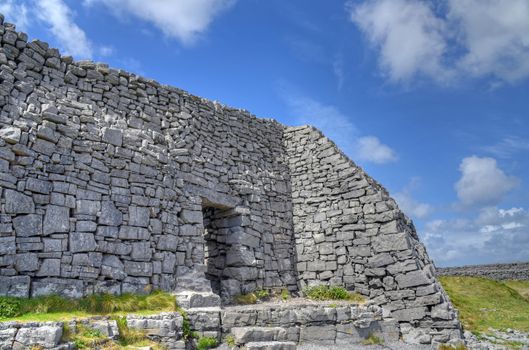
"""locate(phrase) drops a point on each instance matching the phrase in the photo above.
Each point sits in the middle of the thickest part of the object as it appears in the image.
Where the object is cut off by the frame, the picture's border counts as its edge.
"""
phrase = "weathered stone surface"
(139, 216)
(56, 219)
(110, 215)
(113, 136)
(18, 203)
(16, 286)
(10, 134)
(45, 336)
(82, 242)
(413, 279)
(28, 225)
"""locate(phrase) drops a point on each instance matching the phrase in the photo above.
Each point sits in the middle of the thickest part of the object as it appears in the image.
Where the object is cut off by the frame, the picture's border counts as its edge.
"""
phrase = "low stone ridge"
(513, 271)
(113, 183)
(268, 326)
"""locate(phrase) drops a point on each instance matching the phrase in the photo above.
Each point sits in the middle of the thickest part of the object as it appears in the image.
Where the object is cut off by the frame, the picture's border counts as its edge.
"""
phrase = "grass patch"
(55, 308)
(373, 340)
(205, 343)
(323, 292)
(484, 303)
(230, 341)
(522, 287)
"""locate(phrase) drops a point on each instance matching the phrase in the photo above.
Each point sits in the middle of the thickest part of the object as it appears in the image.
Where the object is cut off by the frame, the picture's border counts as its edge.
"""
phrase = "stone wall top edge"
(131, 76)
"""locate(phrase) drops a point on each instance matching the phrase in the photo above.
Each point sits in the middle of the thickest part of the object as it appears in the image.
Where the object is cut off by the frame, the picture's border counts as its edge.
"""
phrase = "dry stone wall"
(113, 183)
(348, 231)
(105, 176)
(514, 271)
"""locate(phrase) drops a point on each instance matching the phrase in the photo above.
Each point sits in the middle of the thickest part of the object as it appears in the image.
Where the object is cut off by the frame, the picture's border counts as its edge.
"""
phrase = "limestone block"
(16, 286)
(167, 242)
(391, 242)
(82, 242)
(50, 268)
(113, 136)
(139, 216)
(28, 225)
(18, 203)
(110, 215)
(318, 334)
(10, 134)
(7, 245)
(141, 251)
(191, 216)
(7, 337)
(70, 288)
(409, 314)
(45, 336)
(243, 335)
(38, 186)
(56, 219)
(87, 207)
(26, 262)
(413, 279)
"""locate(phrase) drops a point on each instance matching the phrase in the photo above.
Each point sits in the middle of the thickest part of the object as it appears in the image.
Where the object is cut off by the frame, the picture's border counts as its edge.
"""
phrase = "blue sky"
(430, 97)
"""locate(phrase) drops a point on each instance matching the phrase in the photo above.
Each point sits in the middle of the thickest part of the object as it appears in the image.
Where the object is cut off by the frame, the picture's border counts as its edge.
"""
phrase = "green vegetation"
(323, 292)
(55, 308)
(522, 287)
(230, 341)
(373, 340)
(205, 343)
(484, 303)
(285, 294)
(87, 338)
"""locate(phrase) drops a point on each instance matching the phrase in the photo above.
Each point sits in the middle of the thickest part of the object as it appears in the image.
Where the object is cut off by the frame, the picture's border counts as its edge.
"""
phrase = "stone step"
(244, 335)
(192, 300)
(271, 345)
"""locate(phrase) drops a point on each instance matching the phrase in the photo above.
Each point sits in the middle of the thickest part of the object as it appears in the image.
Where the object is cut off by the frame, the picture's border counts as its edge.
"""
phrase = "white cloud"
(508, 146)
(182, 19)
(495, 34)
(371, 149)
(474, 38)
(337, 127)
(408, 35)
(482, 183)
(60, 19)
(495, 235)
(15, 12)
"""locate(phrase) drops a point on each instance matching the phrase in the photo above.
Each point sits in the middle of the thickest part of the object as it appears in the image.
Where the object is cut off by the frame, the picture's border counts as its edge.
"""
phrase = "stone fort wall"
(514, 271)
(110, 182)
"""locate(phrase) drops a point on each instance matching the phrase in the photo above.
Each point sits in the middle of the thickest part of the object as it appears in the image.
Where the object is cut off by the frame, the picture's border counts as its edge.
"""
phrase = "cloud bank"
(184, 20)
(495, 235)
(442, 40)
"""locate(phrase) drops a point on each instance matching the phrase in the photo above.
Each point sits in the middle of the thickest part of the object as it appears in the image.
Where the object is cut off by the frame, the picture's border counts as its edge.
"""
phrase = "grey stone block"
(18, 203)
(28, 225)
(56, 220)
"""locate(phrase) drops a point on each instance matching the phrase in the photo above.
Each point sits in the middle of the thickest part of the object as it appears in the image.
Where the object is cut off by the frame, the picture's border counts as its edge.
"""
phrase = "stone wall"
(348, 231)
(105, 176)
(114, 183)
(514, 271)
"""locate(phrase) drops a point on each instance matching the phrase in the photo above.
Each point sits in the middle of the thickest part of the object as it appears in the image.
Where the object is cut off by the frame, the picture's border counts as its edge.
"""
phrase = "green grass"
(485, 303)
(522, 287)
(452, 347)
(373, 340)
(55, 308)
(323, 292)
(205, 343)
